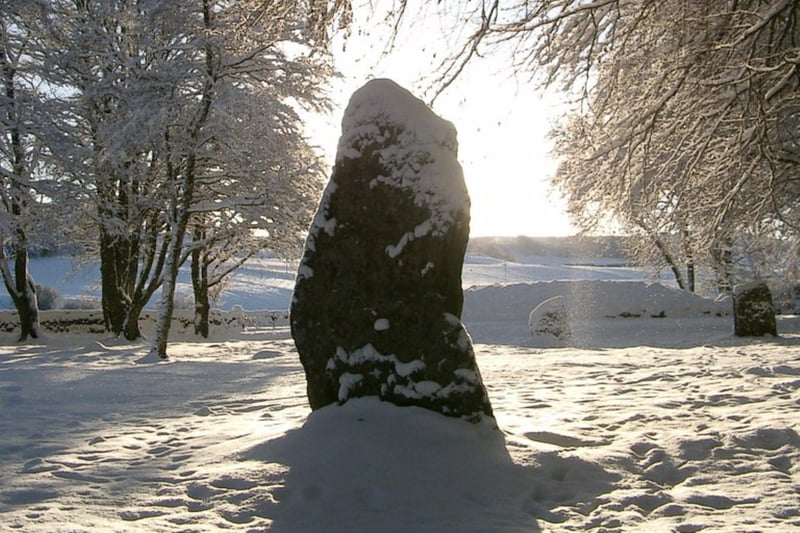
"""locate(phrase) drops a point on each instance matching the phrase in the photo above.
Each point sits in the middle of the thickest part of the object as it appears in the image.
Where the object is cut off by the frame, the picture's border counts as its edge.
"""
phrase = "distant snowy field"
(267, 283)
(638, 424)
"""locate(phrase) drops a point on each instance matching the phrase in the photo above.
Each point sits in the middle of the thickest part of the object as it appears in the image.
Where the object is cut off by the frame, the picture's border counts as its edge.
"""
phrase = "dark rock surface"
(377, 302)
(753, 311)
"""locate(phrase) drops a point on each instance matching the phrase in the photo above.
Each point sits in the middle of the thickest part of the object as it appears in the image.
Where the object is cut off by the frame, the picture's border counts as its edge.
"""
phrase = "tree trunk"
(202, 311)
(689, 253)
(202, 306)
(112, 300)
(723, 267)
(183, 196)
(131, 329)
(662, 249)
(171, 267)
(670, 262)
(28, 306)
(22, 288)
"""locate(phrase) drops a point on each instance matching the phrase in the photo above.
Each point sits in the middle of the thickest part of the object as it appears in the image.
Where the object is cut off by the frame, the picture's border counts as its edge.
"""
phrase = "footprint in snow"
(38, 465)
(717, 501)
(564, 441)
(233, 483)
(134, 515)
(28, 496)
(267, 354)
(198, 491)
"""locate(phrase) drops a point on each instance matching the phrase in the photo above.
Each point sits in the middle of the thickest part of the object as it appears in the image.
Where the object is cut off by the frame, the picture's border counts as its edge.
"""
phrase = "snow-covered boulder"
(589, 299)
(377, 302)
(753, 311)
(549, 320)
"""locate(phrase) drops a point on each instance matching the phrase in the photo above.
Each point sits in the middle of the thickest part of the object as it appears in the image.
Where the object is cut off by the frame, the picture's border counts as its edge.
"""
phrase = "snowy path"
(637, 438)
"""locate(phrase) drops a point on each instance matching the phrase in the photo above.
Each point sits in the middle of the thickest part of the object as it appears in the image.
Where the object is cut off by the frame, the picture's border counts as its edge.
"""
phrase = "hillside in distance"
(519, 249)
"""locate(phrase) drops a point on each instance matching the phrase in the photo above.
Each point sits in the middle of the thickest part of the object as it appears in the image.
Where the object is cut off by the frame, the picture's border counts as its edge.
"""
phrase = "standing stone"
(753, 311)
(377, 302)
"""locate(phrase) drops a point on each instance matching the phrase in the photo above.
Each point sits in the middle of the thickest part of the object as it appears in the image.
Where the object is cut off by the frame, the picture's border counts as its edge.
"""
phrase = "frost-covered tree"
(685, 118)
(116, 99)
(20, 155)
(260, 54)
(180, 117)
(257, 191)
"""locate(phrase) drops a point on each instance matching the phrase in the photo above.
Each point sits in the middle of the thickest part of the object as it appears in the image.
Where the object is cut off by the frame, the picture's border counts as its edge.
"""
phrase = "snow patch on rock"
(421, 160)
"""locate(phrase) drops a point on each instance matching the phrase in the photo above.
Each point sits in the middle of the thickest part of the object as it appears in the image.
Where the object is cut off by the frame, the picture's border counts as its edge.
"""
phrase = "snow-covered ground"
(640, 424)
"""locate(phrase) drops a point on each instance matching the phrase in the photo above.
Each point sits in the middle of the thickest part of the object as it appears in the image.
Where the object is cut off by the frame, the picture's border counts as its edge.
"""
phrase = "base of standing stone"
(448, 382)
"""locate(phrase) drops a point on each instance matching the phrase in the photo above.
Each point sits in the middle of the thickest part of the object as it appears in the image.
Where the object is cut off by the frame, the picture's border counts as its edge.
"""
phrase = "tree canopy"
(176, 126)
(684, 125)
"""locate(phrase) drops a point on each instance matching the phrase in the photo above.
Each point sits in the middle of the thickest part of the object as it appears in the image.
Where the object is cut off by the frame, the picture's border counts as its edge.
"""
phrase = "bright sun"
(504, 150)
(502, 132)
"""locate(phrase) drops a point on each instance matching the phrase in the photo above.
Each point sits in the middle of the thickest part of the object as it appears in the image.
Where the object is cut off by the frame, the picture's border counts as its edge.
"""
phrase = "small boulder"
(549, 320)
(753, 311)
(376, 309)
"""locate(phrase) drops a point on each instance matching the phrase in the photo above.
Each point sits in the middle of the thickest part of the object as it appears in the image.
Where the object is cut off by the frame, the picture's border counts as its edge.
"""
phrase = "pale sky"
(502, 128)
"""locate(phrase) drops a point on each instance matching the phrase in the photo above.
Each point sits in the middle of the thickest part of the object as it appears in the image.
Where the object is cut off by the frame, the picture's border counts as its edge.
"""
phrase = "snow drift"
(588, 299)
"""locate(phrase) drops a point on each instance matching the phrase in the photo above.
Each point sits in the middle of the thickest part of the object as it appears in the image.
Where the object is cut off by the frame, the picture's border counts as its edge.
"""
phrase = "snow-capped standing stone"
(753, 310)
(377, 302)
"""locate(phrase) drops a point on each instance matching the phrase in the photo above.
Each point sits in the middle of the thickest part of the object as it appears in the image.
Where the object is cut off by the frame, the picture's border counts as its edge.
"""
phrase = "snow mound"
(588, 299)
(369, 462)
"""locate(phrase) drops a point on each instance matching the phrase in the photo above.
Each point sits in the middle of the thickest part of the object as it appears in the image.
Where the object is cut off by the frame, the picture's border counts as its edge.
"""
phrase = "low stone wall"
(91, 321)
